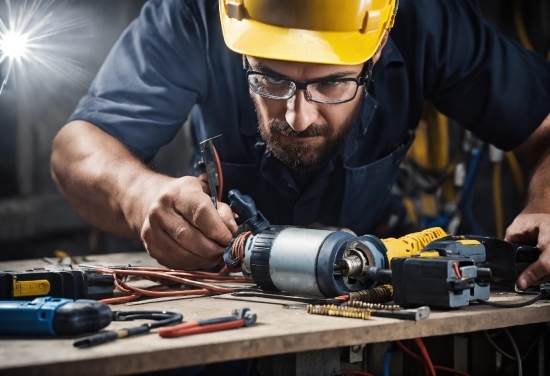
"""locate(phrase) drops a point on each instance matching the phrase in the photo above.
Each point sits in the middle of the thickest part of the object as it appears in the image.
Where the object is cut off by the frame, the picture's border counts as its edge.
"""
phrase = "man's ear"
(379, 50)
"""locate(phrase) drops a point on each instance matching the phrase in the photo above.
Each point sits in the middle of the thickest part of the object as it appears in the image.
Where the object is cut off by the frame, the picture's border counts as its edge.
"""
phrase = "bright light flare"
(39, 40)
(14, 45)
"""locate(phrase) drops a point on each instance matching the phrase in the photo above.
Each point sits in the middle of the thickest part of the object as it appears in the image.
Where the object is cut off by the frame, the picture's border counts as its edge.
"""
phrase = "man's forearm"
(107, 185)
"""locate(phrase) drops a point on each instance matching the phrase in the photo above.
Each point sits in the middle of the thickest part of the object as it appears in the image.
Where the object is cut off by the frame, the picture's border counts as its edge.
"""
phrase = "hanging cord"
(407, 351)
(516, 351)
(527, 352)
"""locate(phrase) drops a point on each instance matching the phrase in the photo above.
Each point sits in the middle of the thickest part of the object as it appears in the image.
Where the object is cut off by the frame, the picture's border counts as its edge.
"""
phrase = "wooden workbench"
(279, 330)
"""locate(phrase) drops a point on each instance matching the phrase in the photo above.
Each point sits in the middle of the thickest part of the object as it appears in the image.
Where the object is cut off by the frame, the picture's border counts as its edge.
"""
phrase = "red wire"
(342, 298)
(416, 357)
(426, 356)
(220, 173)
(457, 271)
(120, 299)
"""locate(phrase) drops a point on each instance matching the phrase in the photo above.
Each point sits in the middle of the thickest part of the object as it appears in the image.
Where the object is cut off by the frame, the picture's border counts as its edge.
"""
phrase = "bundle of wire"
(202, 283)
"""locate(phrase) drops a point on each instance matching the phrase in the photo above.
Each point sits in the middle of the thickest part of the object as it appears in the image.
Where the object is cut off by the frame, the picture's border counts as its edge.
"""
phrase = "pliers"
(239, 317)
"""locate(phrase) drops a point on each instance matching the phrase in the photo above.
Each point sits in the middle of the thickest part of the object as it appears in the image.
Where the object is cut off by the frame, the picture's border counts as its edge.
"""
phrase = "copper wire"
(162, 275)
(237, 250)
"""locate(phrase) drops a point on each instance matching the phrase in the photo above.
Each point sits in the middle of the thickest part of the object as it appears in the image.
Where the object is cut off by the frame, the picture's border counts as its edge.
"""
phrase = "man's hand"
(532, 229)
(117, 192)
(183, 230)
(532, 226)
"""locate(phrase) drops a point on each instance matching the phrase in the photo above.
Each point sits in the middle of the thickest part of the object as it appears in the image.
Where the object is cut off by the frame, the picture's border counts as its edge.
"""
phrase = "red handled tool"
(239, 317)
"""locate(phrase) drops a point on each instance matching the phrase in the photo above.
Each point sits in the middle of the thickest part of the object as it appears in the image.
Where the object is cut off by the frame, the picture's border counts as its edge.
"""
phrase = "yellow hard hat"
(342, 32)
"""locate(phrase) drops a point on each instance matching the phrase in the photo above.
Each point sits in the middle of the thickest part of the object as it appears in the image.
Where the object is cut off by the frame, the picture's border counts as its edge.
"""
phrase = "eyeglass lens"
(324, 92)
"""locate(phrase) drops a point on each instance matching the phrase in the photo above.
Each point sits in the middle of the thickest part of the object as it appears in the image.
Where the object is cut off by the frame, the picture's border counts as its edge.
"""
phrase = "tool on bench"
(238, 318)
(50, 316)
(53, 316)
(80, 283)
(308, 261)
(160, 318)
(361, 312)
(209, 165)
(425, 268)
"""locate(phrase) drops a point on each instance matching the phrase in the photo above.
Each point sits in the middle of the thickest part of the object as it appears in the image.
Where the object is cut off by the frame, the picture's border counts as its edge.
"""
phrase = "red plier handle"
(240, 317)
(194, 327)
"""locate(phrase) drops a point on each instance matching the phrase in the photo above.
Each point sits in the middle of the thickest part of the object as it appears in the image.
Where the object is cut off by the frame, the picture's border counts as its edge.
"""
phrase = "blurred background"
(40, 95)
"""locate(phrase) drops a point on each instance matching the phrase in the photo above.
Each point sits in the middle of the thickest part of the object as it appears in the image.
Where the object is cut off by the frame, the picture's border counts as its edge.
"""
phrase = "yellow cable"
(497, 199)
(520, 27)
(517, 173)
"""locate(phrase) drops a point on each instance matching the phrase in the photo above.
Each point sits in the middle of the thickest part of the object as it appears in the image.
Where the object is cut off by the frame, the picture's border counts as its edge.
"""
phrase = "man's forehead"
(298, 69)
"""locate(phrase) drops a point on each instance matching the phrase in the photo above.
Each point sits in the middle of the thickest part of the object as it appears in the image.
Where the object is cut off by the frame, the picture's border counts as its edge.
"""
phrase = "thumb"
(228, 217)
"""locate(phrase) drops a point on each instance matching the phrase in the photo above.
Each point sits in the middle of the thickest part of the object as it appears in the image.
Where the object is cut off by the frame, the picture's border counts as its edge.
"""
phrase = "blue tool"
(53, 316)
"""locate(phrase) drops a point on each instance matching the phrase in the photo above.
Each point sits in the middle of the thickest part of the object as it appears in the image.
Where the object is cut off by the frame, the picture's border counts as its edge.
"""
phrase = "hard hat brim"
(252, 38)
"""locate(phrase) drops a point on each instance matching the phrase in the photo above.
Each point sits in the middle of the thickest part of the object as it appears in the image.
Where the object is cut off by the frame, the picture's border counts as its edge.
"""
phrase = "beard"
(306, 156)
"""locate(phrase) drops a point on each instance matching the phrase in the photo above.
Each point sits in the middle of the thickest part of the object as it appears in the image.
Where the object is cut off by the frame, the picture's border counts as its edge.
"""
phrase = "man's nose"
(300, 111)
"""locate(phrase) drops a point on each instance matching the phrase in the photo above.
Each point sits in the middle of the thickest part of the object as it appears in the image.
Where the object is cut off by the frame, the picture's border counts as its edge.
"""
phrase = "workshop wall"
(34, 219)
(36, 102)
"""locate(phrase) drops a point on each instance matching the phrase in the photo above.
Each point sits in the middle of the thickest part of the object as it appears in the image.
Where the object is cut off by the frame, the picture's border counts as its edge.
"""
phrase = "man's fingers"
(535, 272)
(202, 214)
(524, 230)
(167, 251)
(227, 217)
(204, 183)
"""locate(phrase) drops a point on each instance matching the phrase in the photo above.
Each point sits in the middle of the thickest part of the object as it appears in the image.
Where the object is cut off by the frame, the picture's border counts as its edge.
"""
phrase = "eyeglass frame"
(361, 80)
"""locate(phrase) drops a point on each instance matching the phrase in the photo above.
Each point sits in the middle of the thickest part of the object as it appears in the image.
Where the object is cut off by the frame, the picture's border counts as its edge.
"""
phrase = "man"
(301, 135)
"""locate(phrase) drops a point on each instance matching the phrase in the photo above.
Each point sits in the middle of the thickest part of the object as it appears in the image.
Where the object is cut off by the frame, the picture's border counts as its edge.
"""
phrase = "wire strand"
(426, 356)
(512, 305)
(516, 351)
(418, 358)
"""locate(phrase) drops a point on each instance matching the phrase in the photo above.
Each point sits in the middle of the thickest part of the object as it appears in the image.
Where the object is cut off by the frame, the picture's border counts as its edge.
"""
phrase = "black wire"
(527, 352)
(516, 351)
(162, 318)
(513, 305)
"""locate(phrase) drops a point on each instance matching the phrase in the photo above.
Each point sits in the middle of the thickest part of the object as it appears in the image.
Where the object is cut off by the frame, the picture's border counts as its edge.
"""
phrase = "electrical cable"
(516, 351)
(426, 356)
(513, 305)
(220, 173)
(237, 250)
(517, 173)
(457, 271)
(161, 319)
(466, 201)
(539, 337)
(439, 368)
(163, 276)
(387, 361)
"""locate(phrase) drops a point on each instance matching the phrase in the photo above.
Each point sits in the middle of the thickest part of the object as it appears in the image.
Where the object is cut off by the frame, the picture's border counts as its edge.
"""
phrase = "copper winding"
(237, 250)
(379, 294)
(340, 311)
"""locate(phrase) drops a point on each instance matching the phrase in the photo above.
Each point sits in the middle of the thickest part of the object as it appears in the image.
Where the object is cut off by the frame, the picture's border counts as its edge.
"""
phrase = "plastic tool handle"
(245, 207)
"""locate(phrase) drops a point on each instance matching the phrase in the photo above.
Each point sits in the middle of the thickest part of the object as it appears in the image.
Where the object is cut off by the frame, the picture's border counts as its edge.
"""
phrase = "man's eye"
(274, 80)
(329, 84)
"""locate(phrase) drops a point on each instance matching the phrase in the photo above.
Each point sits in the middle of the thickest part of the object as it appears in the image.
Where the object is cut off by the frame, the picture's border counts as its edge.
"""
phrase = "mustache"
(314, 130)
